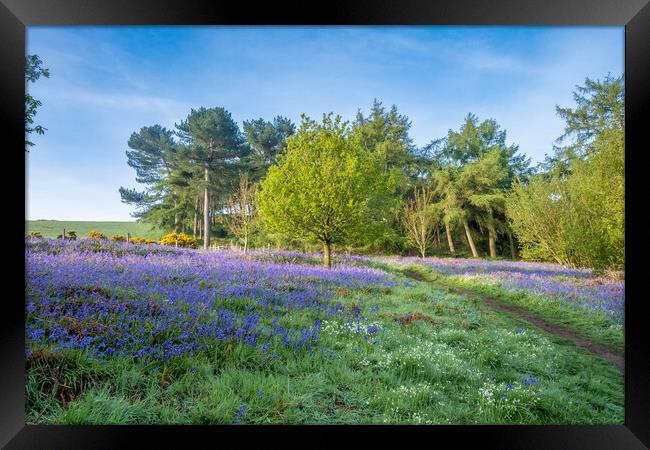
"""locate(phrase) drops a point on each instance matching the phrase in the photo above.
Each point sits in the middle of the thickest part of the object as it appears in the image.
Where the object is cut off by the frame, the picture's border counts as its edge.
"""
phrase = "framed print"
(388, 219)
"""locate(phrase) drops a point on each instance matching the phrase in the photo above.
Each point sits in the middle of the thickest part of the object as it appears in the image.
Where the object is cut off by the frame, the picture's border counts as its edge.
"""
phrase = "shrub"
(96, 235)
(35, 234)
(179, 239)
(139, 240)
(118, 237)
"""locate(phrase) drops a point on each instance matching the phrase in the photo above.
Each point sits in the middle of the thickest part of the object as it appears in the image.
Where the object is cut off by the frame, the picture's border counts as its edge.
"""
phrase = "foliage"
(35, 234)
(472, 169)
(33, 71)
(118, 237)
(96, 235)
(475, 139)
(574, 213)
(600, 106)
(267, 139)
(419, 219)
(179, 240)
(322, 185)
(241, 214)
(535, 211)
(154, 156)
(476, 178)
(384, 133)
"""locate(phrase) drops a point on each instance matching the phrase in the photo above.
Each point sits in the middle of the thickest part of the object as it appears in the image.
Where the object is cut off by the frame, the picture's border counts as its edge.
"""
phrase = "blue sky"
(107, 82)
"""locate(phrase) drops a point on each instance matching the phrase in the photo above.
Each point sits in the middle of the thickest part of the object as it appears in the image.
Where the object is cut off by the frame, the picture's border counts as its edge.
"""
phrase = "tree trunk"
(196, 216)
(513, 249)
(175, 216)
(245, 242)
(450, 241)
(206, 210)
(326, 254)
(469, 238)
(492, 241)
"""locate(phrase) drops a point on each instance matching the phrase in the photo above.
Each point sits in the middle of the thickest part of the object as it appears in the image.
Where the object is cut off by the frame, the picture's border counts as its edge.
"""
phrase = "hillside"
(53, 228)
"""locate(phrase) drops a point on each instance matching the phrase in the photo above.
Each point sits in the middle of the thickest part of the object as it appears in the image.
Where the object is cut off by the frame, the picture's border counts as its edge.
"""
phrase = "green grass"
(54, 228)
(596, 328)
(406, 373)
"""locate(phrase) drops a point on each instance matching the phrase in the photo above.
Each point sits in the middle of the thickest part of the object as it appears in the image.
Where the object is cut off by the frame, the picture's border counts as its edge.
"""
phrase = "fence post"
(128, 237)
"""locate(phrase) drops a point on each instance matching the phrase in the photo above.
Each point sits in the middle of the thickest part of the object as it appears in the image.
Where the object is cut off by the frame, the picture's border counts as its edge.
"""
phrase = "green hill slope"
(53, 228)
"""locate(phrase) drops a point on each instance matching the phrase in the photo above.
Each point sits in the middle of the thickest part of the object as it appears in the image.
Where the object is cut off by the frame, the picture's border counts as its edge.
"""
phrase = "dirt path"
(496, 304)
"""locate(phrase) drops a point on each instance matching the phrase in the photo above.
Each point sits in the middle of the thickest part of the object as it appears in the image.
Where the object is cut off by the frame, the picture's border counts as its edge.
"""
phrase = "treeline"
(364, 185)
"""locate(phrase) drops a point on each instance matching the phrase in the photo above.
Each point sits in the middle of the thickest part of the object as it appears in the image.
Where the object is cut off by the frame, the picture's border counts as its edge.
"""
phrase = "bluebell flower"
(260, 393)
(508, 386)
(504, 395)
(529, 381)
(242, 410)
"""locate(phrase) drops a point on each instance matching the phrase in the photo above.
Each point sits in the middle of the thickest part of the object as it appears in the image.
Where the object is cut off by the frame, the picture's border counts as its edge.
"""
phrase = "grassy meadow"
(54, 228)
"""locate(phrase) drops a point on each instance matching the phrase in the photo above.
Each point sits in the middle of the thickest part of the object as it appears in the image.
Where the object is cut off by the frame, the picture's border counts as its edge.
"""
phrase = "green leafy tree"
(384, 134)
(33, 71)
(214, 142)
(322, 185)
(420, 218)
(535, 213)
(241, 214)
(574, 212)
(475, 139)
(596, 220)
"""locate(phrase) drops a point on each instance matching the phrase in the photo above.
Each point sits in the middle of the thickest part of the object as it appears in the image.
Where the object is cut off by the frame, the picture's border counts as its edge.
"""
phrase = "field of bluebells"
(130, 333)
(119, 299)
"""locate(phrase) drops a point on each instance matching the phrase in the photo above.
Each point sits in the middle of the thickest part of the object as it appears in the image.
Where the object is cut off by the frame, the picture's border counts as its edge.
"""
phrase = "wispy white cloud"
(115, 100)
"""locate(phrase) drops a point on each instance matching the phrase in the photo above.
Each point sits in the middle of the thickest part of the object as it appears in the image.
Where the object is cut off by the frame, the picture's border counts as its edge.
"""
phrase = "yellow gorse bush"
(35, 234)
(118, 237)
(179, 239)
(139, 240)
(96, 235)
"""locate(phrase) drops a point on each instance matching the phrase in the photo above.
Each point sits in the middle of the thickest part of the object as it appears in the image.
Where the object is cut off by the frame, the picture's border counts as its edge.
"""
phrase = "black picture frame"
(15, 15)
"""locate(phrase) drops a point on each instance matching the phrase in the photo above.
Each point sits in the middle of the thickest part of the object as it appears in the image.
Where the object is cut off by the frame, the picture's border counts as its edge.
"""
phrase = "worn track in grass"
(617, 359)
